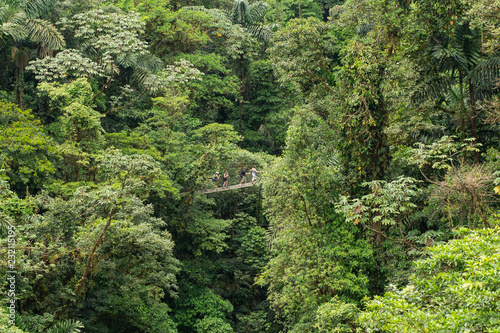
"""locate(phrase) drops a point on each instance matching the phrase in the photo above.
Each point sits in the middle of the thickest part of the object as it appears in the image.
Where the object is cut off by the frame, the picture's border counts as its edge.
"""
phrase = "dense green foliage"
(455, 289)
(373, 126)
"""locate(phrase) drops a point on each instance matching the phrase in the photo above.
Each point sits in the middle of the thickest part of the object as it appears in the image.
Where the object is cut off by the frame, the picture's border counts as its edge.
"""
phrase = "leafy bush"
(455, 289)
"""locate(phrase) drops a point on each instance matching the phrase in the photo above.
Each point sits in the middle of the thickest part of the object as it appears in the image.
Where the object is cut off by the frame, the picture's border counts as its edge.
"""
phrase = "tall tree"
(21, 24)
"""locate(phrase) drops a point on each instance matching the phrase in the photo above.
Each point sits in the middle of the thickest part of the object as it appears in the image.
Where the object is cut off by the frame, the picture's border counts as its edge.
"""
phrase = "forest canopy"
(196, 166)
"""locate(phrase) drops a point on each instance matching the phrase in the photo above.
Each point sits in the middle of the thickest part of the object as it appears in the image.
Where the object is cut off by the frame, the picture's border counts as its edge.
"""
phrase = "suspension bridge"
(222, 189)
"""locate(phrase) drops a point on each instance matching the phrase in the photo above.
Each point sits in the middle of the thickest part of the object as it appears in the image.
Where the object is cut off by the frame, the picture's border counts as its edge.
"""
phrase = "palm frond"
(486, 73)
(448, 59)
(467, 41)
(5, 221)
(43, 32)
(240, 13)
(15, 31)
(139, 75)
(257, 11)
(67, 326)
(87, 49)
(17, 17)
(126, 60)
(434, 89)
(461, 52)
(149, 61)
(482, 93)
(261, 32)
(453, 97)
(5, 9)
(216, 14)
(247, 15)
(36, 8)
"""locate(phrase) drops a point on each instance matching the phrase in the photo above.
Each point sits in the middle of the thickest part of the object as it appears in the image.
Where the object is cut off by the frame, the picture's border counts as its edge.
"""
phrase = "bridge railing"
(232, 181)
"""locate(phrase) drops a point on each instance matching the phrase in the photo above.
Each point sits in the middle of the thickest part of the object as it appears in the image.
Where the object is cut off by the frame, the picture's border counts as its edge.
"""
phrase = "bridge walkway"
(220, 189)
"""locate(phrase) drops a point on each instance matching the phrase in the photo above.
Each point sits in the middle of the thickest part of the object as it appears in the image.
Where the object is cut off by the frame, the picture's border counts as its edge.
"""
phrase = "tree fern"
(262, 32)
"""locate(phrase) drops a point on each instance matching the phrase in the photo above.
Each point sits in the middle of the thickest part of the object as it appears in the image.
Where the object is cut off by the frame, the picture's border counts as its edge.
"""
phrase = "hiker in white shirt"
(254, 172)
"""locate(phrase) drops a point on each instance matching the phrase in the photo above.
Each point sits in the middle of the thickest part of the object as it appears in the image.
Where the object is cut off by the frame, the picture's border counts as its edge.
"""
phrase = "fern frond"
(67, 326)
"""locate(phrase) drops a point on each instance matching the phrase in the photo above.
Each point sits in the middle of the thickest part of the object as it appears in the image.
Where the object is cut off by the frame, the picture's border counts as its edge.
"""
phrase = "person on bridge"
(225, 178)
(254, 172)
(243, 175)
(215, 179)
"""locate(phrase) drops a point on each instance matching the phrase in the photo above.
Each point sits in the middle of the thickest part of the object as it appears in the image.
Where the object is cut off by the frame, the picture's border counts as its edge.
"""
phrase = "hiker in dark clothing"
(243, 175)
(225, 179)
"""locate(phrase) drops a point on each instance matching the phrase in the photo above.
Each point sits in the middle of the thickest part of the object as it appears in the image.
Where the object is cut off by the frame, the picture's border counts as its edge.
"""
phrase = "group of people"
(243, 175)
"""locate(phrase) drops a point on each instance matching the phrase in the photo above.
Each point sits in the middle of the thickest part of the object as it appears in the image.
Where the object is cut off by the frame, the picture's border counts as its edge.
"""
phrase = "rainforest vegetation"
(375, 125)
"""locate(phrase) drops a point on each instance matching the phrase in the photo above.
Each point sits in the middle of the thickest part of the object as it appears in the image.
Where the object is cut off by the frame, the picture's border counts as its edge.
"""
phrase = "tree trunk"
(462, 106)
(20, 88)
(473, 121)
(377, 236)
(241, 107)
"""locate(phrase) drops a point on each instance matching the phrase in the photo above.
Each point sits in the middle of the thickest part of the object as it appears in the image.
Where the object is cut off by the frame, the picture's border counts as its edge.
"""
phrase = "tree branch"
(103, 87)
(80, 283)
(388, 238)
(127, 105)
